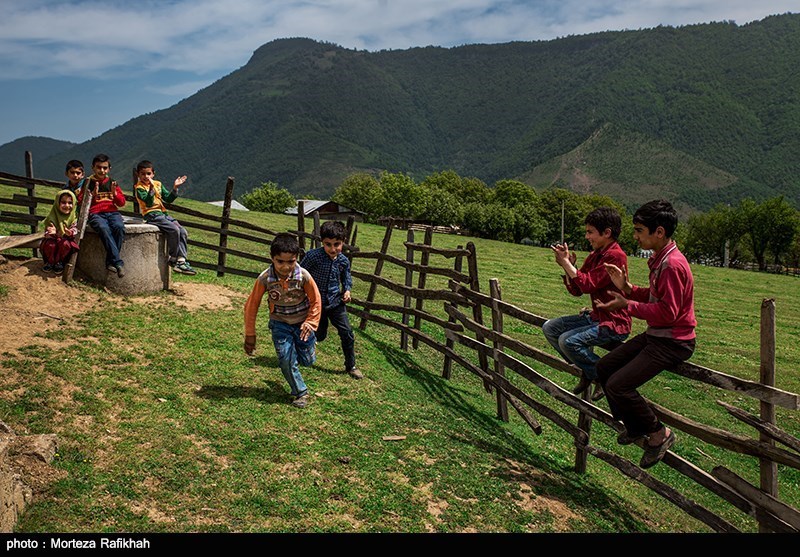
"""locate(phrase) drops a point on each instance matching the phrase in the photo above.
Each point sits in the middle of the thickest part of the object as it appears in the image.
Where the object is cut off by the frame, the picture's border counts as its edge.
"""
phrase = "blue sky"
(73, 69)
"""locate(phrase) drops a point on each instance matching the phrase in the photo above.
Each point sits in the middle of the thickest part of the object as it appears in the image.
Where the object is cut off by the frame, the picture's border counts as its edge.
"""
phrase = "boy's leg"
(322, 328)
(554, 328)
(579, 344)
(306, 349)
(338, 317)
(626, 368)
(170, 233)
(99, 223)
(117, 225)
(283, 336)
(48, 247)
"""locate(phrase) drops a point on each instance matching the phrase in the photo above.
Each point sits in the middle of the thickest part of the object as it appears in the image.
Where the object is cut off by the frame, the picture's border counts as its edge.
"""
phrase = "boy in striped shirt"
(294, 311)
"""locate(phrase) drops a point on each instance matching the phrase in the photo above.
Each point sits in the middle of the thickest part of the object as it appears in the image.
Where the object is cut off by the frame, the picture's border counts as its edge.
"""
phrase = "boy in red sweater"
(668, 307)
(104, 217)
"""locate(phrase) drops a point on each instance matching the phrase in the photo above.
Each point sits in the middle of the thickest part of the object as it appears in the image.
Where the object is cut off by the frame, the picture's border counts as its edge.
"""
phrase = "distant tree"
(268, 198)
(359, 191)
(466, 190)
(512, 193)
(401, 196)
(443, 208)
(529, 223)
(771, 225)
(708, 233)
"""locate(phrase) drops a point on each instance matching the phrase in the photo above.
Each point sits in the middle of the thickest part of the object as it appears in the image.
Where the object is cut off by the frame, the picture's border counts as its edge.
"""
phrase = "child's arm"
(170, 197)
(147, 195)
(314, 308)
(347, 280)
(250, 314)
(671, 302)
(72, 231)
(119, 197)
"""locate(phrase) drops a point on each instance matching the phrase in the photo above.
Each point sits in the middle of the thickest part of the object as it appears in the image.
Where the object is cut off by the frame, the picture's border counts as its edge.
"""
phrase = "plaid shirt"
(331, 275)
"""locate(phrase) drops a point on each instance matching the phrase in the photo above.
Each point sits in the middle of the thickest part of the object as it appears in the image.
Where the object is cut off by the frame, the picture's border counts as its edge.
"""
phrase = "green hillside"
(721, 101)
(12, 155)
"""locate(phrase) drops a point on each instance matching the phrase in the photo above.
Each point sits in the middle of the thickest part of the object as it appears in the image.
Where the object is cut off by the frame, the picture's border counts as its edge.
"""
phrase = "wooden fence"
(489, 343)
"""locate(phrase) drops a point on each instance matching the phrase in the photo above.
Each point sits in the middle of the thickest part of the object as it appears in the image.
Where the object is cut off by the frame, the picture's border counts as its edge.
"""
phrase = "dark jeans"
(337, 315)
(628, 367)
(111, 229)
(176, 235)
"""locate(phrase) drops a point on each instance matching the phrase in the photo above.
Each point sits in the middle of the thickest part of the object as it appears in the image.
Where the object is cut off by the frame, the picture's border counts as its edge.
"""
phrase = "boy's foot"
(120, 271)
(300, 401)
(355, 373)
(58, 268)
(598, 392)
(47, 267)
(653, 454)
(584, 384)
(625, 438)
(184, 268)
(111, 268)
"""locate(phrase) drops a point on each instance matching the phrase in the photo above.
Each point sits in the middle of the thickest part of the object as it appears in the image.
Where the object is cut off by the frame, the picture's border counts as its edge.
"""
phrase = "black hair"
(74, 163)
(658, 212)
(284, 243)
(605, 217)
(100, 157)
(142, 165)
(332, 229)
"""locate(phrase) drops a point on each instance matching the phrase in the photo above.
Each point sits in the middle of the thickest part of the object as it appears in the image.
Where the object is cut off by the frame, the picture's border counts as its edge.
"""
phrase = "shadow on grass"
(517, 458)
(273, 393)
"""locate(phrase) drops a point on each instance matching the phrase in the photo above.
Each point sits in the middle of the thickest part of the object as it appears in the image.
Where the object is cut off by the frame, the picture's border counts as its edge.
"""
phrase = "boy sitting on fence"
(331, 271)
(104, 216)
(575, 336)
(60, 229)
(294, 310)
(668, 307)
(74, 174)
(151, 197)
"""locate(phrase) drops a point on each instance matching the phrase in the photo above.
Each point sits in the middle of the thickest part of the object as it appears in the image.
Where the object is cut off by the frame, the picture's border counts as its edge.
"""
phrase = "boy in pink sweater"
(667, 305)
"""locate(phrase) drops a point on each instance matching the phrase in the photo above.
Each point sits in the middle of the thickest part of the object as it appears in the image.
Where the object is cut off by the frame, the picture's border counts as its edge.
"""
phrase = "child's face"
(647, 239)
(284, 263)
(74, 175)
(146, 175)
(101, 169)
(65, 204)
(596, 238)
(332, 247)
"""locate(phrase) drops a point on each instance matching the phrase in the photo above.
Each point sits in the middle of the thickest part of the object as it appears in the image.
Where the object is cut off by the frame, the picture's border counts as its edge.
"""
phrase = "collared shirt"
(331, 275)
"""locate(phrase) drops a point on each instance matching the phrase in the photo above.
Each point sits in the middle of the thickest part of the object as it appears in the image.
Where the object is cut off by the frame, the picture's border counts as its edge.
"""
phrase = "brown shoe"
(653, 455)
(582, 385)
(355, 373)
(598, 392)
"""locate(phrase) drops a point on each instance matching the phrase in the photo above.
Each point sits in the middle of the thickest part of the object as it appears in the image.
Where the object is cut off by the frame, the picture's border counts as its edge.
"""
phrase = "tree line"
(763, 233)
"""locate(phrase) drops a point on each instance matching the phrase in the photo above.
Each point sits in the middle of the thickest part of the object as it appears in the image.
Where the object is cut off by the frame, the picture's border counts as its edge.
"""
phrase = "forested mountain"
(705, 112)
(12, 155)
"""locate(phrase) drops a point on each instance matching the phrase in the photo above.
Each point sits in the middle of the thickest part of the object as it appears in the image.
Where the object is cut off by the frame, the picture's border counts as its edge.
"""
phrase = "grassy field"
(165, 425)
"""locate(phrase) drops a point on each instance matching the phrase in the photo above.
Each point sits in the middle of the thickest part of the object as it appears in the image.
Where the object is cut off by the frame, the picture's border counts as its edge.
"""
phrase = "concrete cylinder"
(144, 253)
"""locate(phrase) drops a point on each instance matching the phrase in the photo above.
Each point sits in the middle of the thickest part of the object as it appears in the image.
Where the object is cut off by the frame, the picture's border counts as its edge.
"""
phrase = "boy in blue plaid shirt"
(330, 269)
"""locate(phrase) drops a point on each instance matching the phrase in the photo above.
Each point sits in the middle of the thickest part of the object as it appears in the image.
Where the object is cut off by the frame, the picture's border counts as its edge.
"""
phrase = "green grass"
(165, 425)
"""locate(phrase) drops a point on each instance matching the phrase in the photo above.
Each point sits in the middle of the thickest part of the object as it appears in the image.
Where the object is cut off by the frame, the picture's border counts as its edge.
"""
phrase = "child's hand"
(618, 302)
(562, 253)
(249, 344)
(50, 230)
(618, 276)
(305, 331)
(178, 182)
(346, 296)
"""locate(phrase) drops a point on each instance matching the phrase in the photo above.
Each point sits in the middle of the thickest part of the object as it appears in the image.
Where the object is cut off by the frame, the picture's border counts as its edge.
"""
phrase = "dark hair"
(284, 243)
(74, 163)
(142, 165)
(658, 212)
(100, 157)
(332, 229)
(605, 217)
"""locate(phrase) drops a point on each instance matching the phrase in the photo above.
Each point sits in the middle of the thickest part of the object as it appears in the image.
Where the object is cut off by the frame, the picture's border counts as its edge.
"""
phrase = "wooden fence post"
(83, 218)
(769, 469)
(349, 229)
(135, 177)
(31, 189)
(497, 326)
(301, 223)
(409, 282)
(223, 229)
(448, 361)
(317, 241)
(421, 284)
(477, 312)
(585, 424)
(373, 287)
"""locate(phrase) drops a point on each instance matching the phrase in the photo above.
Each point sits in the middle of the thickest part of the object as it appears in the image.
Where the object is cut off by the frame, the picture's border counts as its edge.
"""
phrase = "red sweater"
(668, 303)
(106, 195)
(593, 279)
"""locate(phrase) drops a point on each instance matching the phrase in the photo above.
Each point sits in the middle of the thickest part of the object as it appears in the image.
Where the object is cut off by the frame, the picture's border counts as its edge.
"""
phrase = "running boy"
(151, 197)
(330, 269)
(668, 307)
(104, 217)
(74, 174)
(294, 309)
(60, 228)
(575, 336)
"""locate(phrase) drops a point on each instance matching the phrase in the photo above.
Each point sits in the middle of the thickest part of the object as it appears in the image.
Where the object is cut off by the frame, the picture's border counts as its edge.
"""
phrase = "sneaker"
(625, 438)
(653, 455)
(58, 268)
(300, 401)
(582, 385)
(184, 268)
(111, 268)
(598, 392)
(355, 373)
(47, 268)
(120, 271)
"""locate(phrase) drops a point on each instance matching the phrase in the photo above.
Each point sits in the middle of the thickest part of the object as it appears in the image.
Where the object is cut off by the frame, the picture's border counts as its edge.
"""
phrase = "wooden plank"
(759, 497)
(422, 277)
(223, 231)
(373, 286)
(229, 251)
(444, 252)
(768, 469)
(19, 218)
(301, 223)
(766, 428)
(427, 269)
(22, 180)
(407, 295)
(21, 240)
(83, 219)
(229, 270)
(447, 365)
(497, 326)
(508, 309)
(445, 295)
(417, 313)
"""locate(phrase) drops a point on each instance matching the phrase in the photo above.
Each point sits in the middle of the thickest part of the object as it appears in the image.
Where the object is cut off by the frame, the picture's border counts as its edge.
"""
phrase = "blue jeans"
(111, 229)
(176, 235)
(337, 315)
(292, 351)
(574, 337)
